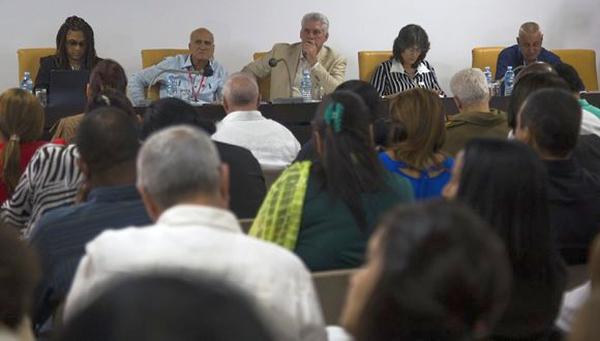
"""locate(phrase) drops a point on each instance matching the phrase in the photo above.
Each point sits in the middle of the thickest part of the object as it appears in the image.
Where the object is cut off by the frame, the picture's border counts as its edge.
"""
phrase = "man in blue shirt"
(527, 50)
(198, 77)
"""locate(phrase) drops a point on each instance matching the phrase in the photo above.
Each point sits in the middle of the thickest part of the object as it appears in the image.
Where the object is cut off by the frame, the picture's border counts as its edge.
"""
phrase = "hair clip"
(15, 138)
(333, 116)
(106, 100)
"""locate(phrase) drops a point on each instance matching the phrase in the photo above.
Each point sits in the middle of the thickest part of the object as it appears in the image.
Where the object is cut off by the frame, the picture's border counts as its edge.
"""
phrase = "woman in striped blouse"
(407, 68)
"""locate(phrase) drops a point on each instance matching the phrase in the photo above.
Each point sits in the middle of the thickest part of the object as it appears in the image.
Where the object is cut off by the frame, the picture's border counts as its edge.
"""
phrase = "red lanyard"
(200, 86)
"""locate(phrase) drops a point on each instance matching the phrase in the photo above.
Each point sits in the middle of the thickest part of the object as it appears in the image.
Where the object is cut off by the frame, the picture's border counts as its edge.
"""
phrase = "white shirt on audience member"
(271, 143)
(573, 300)
(207, 240)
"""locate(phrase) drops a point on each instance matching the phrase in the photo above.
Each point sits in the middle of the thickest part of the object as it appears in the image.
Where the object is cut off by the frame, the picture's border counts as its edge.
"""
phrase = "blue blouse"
(424, 186)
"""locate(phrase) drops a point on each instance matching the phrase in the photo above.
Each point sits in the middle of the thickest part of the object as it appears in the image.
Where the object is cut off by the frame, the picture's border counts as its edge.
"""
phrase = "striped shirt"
(50, 180)
(390, 78)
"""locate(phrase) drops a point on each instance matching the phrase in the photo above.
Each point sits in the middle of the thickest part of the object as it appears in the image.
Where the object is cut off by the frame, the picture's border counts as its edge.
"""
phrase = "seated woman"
(21, 126)
(74, 51)
(434, 271)
(325, 210)
(505, 183)
(407, 68)
(415, 137)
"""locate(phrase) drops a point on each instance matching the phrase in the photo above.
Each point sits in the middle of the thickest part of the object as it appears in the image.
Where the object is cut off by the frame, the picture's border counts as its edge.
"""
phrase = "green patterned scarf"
(278, 219)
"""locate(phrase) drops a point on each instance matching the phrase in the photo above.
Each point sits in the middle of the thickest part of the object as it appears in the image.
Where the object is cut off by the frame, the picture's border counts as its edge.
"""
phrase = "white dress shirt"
(271, 143)
(207, 241)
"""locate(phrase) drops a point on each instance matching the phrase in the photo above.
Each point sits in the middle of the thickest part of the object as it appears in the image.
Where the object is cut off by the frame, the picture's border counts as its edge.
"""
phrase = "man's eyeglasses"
(74, 43)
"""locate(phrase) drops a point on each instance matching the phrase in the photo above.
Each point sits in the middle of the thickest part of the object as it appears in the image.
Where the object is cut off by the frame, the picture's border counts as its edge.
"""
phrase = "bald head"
(240, 92)
(530, 41)
(201, 31)
(202, 47)
(529, 27)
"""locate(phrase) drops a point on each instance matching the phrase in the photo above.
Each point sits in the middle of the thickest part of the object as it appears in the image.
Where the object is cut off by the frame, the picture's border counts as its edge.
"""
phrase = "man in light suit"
(327, 68)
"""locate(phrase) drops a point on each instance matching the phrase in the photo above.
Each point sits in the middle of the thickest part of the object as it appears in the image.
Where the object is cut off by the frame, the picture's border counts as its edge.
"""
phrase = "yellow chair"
(154, 56)
(264, 84)
(29, 60)
(368, 61)
(584, 61)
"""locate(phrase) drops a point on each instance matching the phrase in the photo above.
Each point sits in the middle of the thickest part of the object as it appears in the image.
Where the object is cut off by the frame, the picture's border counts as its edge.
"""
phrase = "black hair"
(553, 117)
(19, 274)
(525, 86)
(409, 36)
(443, 272)
(570, 75)
(107, 137)
(348, 163)
(75, 23)
(161, 307)
(171, 111)
(505, 183)
(369, 95)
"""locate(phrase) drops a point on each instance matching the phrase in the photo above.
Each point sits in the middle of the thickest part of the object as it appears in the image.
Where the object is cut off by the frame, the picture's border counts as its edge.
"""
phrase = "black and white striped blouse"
(50, 180)
(390, 78)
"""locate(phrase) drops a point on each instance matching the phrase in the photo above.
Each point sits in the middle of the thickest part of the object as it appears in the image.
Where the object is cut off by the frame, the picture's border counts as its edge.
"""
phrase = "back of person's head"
(570, 75)
(535, 67)
(369, 95)
(21, 120)
(170, 111)
(438, 273)
(19, 274)
(348, 162)
(469, 86)
(107, 138)
(525, 86)
(166, 307)
(240, 90)
(75, 23)
(178, 163)
(553, 119)
(418, 114)
(505, 183)
(107, 74)
(110, 97)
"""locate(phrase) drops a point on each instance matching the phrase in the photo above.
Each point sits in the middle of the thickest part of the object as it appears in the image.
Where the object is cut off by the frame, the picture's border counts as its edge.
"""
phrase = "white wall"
(123, 28)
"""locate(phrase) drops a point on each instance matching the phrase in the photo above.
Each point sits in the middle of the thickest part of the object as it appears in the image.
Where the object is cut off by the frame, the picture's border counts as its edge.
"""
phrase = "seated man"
(272, 144)
(200, 88)
(549, 122)
(185, 186)
(327, 68)
(527, 50)
(475, 119)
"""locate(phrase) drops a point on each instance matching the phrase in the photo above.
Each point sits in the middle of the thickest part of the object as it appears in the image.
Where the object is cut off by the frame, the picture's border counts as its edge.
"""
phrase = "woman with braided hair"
(74, 51)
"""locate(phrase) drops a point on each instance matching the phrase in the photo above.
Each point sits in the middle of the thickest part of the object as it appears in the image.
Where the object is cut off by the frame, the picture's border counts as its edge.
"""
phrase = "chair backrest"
(331, 287)
(154, 56)
(584, 61)
(485, 56)
(368, 61)
(264, 84)
(29, 60)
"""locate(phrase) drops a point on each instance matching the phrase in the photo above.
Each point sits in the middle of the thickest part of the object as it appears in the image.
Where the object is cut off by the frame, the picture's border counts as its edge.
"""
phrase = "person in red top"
(21, 126)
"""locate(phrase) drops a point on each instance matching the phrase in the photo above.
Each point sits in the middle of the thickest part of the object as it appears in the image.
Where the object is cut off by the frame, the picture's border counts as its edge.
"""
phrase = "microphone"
(273, 63)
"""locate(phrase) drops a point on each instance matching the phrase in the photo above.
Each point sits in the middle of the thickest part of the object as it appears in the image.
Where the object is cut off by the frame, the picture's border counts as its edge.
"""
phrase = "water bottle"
(509, 81)
(27, 82)
(171, 86)
(306, 86)
(488, 76)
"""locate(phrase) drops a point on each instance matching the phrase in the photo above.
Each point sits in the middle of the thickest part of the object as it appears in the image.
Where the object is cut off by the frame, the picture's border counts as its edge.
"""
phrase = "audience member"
(416, 137)
(185, 190)
(549, 122)
(505, 183)
(183, 309)
(527, 50)
(108, 145)
(435, 271)
(205, 85)
(475, 118)
(327, 67)
(19, 274)
(407, 69)
(271, 143)
(247, 184)
(325, 210)
(21, 126)
(74, 51)
(590, 123)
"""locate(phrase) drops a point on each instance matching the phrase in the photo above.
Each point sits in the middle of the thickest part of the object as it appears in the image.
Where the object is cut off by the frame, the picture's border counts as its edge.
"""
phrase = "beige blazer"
(329, 72)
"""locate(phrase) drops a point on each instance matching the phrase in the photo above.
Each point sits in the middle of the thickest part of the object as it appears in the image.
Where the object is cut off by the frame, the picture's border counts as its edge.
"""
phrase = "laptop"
(67, 89)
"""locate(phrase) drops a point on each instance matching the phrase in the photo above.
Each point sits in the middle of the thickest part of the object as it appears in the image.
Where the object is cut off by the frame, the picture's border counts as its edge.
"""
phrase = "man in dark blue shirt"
(527, 50)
